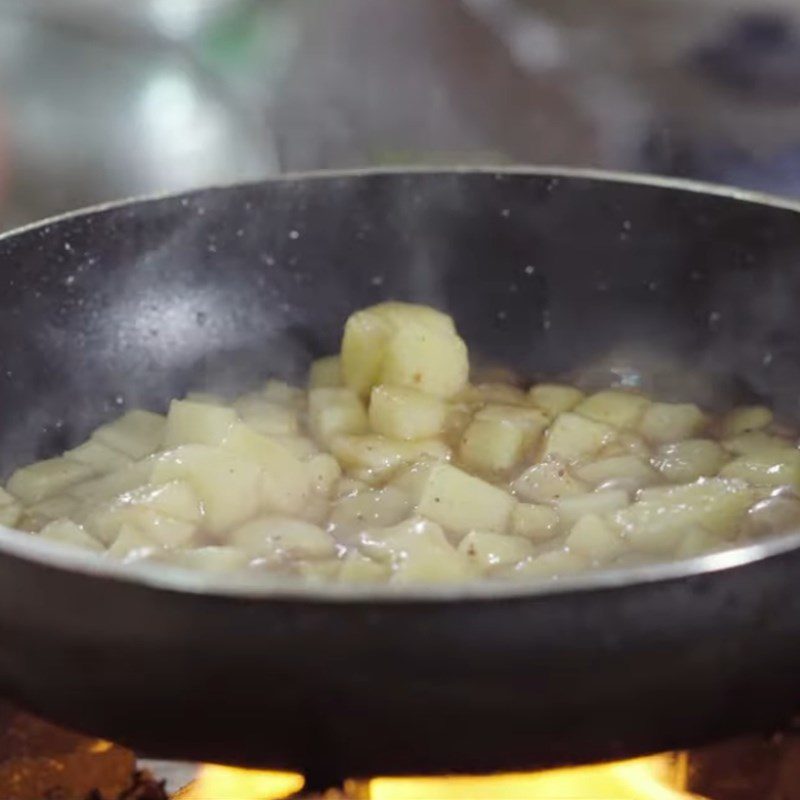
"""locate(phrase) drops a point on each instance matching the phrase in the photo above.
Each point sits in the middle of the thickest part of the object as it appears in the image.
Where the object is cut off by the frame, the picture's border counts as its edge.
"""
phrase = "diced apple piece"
(10, 509)
(553, 564)
(325, 373)
(493, 393)
(765, 469)
(369, 508)
(263, 416)
(755, 442)
(745, 419)
(174, 499)
(56, 507)
(547, 482)
(100, 457)
(197, 423)
(357, 568)
(278, 538)
(531, 421)
(615, 408)
(418, 358)
(318, 571)
(299, 446)
(656, 522)
(554, 398)
(418, 552)
(375, 458)
(367, 334)
(106, 523)
(213, 558)
(534, 521)
(115, 483)
(572, 437)
(346, 486)
(686, 461)
(486, 550)
(285, 481)
(461, 502)
(593, 538)
(136, 434)
(625, 467)
(324, 472)
(402, 413)
(228, 484)
(697, 541)
(571, 509)
(46, 478)
(491, 445)
(69, 532)
(132, 545)
(333, 412)
(671, 422)
(283, 394)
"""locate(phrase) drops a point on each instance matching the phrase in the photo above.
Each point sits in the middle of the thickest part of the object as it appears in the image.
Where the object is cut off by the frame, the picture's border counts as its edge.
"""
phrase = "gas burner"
(39, 761)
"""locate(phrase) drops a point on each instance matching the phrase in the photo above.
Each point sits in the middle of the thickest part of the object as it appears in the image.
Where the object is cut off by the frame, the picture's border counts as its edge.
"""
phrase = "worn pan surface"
(135, 303)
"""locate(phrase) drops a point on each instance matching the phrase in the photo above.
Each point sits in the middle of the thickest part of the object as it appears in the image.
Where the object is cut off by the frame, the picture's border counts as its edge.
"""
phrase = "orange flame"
(655, 778)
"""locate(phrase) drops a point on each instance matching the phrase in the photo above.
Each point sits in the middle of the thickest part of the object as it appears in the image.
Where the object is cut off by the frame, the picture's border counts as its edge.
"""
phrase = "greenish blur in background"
(101, 100)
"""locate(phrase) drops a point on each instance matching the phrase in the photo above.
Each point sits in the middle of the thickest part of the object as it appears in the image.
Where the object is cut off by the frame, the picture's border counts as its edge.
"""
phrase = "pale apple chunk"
(422, 359)
(115, 483)
(358, 568)
(369, 508)
(657, 522)
(492, 393)
(615, 408)
(614, 468)
(375, 458)
(554, 398)
(282, 394)
(209, 398)
(572, 437)
(175, 499)
(491, 445)
(752, 442)
(100, 457)
(69, 532)
(324, 472)
(325, 373)
(571, 509)
(332, 412)
(299, 446)
(285, 481)
(46, 478)
(136, 434)
(531, 421)
(132, 544)
(547, 482)
(197, 423)
(10, 509)
(277, 538)
(766, 469)
(593, 538)
(367, 333)
(56, 507)
(402, 413)
(626, 444)
(460, 502)
(486, 550)
(106, 523)
(686, 461)
(536, 522)
(672, 422)
(551, 565)
(745, 419)
(228, 484)
(696, 541)
(318, 571)
(417, 552)
(263, 416)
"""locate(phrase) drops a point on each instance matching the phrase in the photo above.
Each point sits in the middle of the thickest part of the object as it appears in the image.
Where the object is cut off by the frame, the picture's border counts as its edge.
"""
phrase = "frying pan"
(133, 303)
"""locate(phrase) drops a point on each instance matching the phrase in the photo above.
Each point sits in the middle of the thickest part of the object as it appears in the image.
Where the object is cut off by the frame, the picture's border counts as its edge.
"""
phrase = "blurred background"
(102, 99)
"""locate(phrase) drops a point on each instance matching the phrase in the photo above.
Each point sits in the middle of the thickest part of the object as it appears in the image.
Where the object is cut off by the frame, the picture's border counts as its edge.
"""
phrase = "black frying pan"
(136, 303)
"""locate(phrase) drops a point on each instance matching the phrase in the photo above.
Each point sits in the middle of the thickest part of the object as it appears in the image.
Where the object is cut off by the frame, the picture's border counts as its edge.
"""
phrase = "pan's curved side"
(343, 689)
(134, 304)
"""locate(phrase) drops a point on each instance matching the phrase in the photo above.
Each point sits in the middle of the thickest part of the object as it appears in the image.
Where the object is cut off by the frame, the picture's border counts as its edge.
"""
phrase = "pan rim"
(652, 180)
(16, 543)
